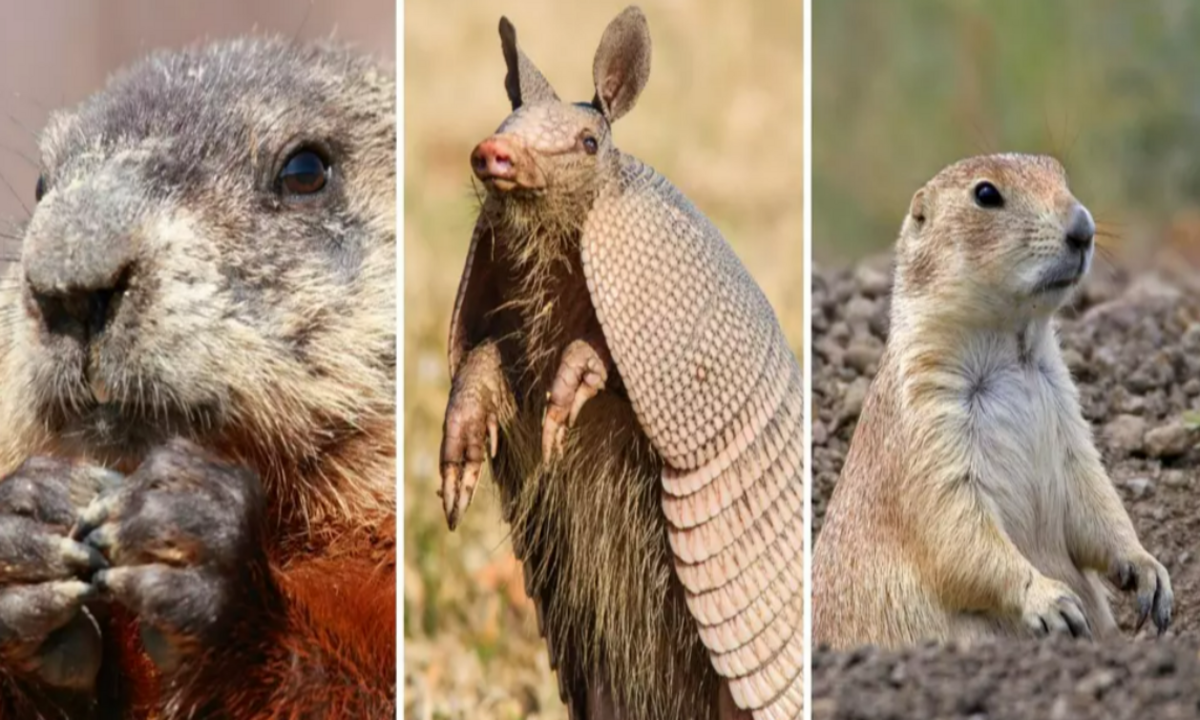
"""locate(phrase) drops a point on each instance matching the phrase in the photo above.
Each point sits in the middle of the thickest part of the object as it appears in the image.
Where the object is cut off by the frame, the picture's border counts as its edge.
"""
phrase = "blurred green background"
(901, 89)
(721, 117)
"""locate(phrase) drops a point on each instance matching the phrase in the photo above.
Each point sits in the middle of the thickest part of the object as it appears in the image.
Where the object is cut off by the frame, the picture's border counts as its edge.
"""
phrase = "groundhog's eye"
(304, 173)
(987, 196)
(590, 144)
(40, 190)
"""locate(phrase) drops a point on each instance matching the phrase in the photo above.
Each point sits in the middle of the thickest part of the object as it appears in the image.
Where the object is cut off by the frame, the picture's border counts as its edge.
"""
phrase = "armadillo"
(630, 388)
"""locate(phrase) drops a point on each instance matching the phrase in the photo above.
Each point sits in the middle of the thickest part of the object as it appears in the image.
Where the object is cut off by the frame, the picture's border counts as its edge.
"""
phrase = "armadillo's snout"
(504, 163)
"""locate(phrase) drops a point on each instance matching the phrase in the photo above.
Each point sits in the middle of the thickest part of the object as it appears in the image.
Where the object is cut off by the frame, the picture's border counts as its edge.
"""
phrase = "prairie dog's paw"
(1052, 607)
(582, 374)
(183, 536)
(471, 434)
(1150, 580)
(45, 630)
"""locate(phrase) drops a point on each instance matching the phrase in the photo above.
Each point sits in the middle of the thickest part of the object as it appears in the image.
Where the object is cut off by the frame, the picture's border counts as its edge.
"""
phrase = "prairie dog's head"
(551, 157)
(211, 253)
(996, 236)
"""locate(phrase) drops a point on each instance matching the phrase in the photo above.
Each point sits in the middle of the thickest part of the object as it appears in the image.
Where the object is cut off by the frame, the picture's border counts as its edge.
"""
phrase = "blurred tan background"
(54, 53)
(1110, 87)
(721, 117)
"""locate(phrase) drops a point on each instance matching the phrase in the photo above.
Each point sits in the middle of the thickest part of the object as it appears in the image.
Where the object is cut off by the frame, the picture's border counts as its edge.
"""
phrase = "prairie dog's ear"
(622, 64)
(524, 83)
(916, 208)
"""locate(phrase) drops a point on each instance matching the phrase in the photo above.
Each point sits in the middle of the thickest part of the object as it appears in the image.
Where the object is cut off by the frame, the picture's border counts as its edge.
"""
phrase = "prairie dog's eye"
(987, 196)
(40, 190)
(305, 173)
(590, 144)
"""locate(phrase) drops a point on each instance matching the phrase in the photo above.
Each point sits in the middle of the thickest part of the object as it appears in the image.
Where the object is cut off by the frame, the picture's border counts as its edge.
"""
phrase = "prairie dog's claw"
(1150, 580)
(1051, 607)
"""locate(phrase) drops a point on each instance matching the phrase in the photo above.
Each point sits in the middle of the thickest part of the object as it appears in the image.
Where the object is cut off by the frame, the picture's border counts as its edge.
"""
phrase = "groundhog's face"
(212, 253)
(999, 235)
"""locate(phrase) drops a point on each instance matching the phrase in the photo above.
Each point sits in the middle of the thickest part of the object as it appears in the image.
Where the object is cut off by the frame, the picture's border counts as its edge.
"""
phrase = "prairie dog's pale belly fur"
(1021, 421)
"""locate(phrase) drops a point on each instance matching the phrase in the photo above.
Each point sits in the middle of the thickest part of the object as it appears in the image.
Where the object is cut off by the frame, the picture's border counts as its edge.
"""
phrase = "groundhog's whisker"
(13, 118)
(32, 163)
(15, 194)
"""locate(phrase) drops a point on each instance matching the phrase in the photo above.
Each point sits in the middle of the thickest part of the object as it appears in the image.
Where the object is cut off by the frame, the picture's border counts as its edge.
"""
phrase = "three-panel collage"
(774, 360)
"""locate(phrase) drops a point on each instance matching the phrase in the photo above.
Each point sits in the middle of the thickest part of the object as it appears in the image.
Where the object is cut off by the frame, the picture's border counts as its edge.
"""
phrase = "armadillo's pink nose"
(493, 159)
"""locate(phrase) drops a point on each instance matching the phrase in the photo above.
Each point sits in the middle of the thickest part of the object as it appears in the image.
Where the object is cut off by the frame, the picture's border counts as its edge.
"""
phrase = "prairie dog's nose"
(1080, 228)
(494, 158)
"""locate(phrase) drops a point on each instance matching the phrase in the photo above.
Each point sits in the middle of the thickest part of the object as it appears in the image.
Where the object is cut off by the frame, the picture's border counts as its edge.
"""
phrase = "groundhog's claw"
(1150, 580)
(582, 374)
(45, 630)
(181, 536)
(1053, 608)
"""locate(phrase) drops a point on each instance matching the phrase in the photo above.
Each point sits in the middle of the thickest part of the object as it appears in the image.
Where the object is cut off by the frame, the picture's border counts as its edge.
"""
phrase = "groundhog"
(973, 502)
(197, 368)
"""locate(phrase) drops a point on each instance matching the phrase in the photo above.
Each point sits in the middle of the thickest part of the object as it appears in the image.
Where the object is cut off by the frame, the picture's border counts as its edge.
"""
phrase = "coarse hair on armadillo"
(542, 240)
(597, 563)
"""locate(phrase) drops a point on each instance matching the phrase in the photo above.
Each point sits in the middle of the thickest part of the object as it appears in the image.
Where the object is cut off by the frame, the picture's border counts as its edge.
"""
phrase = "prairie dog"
(973, 502)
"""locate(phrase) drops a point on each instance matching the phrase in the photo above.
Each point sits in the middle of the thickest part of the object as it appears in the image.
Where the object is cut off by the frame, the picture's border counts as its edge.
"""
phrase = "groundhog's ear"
(916, 208)
(622, 64)
(524, 83)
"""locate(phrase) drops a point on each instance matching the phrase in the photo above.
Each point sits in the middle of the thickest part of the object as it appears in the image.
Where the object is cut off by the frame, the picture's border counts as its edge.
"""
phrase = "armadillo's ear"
(622, 63)
(524, 83)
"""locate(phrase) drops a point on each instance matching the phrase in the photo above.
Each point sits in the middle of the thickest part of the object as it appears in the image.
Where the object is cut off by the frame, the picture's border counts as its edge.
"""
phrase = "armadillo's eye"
(304, 173)
(590, 144)
(40, 190)
(987, 196)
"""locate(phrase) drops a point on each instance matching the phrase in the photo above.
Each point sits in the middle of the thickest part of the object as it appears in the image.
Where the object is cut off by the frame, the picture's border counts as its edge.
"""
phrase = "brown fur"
(263, 334)
(588, 525)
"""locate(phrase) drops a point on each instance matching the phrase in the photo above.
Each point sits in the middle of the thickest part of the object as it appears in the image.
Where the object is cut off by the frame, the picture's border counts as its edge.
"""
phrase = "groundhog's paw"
(582, 373)
(183, 536)
(1053, 608)
(471, 435)
(1150, 580)
(45, 631)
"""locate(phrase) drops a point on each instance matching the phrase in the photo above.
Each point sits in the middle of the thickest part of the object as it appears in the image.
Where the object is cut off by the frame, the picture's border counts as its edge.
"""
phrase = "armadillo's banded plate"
(718, 393)
(688, 328)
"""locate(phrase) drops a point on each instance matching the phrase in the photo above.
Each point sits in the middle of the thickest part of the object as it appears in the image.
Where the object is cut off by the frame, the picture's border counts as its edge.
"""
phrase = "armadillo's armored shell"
(718, 392)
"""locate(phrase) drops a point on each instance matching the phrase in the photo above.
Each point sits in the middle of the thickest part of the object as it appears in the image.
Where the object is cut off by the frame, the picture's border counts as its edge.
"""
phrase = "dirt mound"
(1133, 345)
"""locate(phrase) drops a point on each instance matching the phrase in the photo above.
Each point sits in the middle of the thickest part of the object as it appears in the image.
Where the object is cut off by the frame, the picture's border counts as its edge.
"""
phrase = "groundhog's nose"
(493, 159)
(80, 309)
(1080, 229)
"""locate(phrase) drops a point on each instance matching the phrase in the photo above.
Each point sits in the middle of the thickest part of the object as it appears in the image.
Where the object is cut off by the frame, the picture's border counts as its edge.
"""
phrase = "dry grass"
(721, 117)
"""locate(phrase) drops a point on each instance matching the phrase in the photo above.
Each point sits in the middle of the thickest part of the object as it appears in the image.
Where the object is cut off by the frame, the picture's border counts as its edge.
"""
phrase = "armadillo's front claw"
(493, 435)
(471, 435)
(458, 488)
(582, 374)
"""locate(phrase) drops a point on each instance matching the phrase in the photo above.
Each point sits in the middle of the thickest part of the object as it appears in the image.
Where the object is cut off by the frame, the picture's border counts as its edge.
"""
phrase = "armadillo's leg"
(480, 400)
(582, 372)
